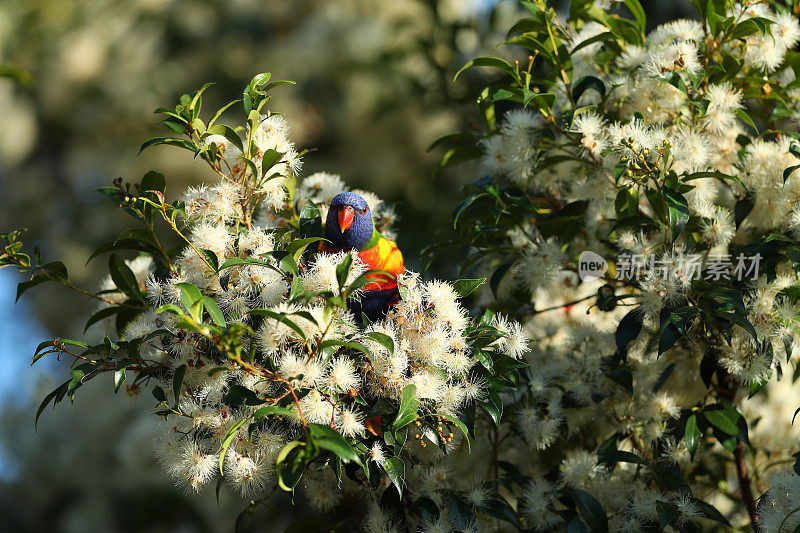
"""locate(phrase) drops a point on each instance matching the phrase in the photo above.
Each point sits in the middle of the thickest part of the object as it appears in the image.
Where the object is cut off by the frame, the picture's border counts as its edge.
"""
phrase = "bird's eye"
(364, 211)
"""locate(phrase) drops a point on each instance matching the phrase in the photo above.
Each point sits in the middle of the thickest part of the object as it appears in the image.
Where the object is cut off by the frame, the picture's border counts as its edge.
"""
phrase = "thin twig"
(560, 306)
(745, 488)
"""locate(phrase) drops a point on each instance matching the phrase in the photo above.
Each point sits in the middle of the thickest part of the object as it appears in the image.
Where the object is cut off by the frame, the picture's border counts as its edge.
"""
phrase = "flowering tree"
(240, 328)
(640, 216)
(639, 220)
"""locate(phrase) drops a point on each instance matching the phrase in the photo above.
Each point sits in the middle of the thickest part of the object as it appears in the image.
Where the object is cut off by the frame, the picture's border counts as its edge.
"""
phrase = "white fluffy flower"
(342, 375)
(350, 423)
(591, 126)
(248, 474)
(322, 276)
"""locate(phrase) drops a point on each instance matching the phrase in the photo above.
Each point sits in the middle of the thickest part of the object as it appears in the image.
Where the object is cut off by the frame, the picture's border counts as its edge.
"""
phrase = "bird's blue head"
(349, 223)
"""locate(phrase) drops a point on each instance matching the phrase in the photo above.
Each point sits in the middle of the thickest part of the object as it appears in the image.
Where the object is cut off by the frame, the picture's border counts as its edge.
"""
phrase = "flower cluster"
(245, 337)
(652, 146)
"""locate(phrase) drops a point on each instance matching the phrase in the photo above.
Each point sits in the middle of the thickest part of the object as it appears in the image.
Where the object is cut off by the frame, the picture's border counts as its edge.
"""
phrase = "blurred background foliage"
(79, 80)
(373, 91)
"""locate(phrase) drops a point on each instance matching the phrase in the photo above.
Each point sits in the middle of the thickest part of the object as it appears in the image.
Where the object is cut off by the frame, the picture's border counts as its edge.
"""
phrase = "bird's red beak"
(346, 216)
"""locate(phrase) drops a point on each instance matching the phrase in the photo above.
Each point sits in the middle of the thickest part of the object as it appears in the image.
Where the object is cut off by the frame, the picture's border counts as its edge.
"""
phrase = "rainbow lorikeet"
(349, 226)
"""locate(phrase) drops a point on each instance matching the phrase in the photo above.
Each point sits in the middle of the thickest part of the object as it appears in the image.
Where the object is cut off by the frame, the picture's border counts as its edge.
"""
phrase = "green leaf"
(220, 481)
(196, 99)
(757, 386)
(280, 317)
(77, 379)
(252, 95)
(211, 258)
(588, 82)
(25, 285)
(666, 513)
(298, 246)
(100, 315)
(51, 396)
(409, 407)
(137, 234)
(329, 439)
(239, 395)
(627, 203)
(123, 278)
(171, 141)
(656, 201)
(177, 383)
(607, 38)
(277, 83)
(52, 346)
(177, 125)
(692, 435)
(500, 509)
(590, 510)
(463, 207)
(736, 317)
(365, 278)
(192, 299)
(219, 113)
(456, 155)
(229, 436)
(343, 270)
(638, 13)
(214, 311)
(495, 62)
(154, 181)
(270, 159)
(267, 410)
(788, 172)
(452, 137)
(531, 43)
(290, 464)
(494, 406)
(744, 117)
(124, 244)
(543, 101)
(10, 70)
(57, 270)
(709, 511)
(672, 326)
(728, 420)
(170, 308)
(227, 132)
(460, 425)
(714, 174)
(465, 287)
(396, 470)
(678, 209)
(119, 378)
(461, 514)
(621, 456)
(750, 26)
(485, 358)
(625, 29)
(622, 377)
(159, 395)
(742, 208)
(427, 509)
(628, 329)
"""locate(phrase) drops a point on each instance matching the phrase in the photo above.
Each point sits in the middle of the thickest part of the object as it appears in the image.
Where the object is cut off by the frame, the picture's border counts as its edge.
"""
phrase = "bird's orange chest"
(385, 255)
